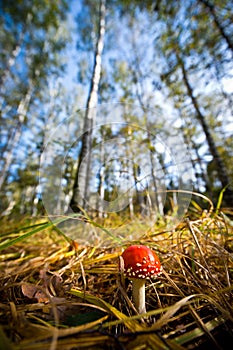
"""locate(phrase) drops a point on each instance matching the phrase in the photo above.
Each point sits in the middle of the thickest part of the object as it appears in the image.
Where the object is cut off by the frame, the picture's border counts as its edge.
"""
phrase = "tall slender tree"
(29, 57)
(81, 182)
(192, 53)
(222, 172)
(211, 8)
(15, 135)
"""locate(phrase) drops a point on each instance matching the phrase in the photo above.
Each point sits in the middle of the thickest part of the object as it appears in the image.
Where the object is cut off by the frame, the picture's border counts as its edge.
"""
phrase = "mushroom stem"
(139, 294)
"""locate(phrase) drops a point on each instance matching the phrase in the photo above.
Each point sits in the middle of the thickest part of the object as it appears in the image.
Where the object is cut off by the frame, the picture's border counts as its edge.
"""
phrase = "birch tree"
(226, 8)
(188, 62)
(222, 171)
(81, 182)
(15, 136)
(31, 41)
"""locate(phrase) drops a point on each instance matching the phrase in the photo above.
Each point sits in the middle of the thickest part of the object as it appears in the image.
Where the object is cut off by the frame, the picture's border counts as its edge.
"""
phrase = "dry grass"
(57, 295)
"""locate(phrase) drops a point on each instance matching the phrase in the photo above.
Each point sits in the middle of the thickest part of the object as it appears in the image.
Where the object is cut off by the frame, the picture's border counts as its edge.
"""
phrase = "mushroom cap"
(141, 262)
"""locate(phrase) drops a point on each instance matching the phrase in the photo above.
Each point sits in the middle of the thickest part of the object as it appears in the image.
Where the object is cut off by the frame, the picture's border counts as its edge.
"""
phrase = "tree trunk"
(13, 142)
(11, 61)
(101, 190)
(218, 24)
(191, 145)
(222, 172)
(80, 188)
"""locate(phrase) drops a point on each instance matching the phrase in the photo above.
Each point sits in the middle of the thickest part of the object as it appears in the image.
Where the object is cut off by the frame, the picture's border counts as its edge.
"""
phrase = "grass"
(57, 294)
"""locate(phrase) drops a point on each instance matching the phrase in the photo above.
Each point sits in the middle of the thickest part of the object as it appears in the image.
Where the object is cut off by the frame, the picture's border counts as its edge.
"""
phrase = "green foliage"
(32, 40)
(146, 45)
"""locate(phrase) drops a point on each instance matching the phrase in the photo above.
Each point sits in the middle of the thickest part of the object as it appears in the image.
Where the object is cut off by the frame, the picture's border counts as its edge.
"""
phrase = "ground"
(59, 294)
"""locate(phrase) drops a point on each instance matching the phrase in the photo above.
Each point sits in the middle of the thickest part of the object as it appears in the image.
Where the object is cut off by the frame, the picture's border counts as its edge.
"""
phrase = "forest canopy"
(161, 69)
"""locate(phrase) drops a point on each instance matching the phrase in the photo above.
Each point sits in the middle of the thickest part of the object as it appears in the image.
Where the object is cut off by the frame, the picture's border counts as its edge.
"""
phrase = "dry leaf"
(32, 291)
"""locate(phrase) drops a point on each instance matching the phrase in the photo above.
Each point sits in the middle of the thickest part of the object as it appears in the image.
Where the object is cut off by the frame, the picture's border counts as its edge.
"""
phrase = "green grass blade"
(11, 242)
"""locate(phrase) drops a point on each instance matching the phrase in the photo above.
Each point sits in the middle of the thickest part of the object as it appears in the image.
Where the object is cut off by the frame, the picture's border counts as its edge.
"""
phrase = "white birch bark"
(81, 184)
(13, 141)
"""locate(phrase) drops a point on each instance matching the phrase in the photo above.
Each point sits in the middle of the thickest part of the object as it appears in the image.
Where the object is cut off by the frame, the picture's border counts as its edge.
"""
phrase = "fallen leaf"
(32, 291)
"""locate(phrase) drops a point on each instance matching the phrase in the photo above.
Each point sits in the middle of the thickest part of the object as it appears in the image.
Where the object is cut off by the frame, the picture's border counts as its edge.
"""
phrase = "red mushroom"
(140, 263)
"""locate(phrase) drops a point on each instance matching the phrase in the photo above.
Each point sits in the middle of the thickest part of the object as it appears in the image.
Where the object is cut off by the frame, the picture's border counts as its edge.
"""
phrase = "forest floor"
(58, 294)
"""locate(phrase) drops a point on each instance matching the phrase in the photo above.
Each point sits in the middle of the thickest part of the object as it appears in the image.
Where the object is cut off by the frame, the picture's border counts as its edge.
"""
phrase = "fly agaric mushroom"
(140, 263)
